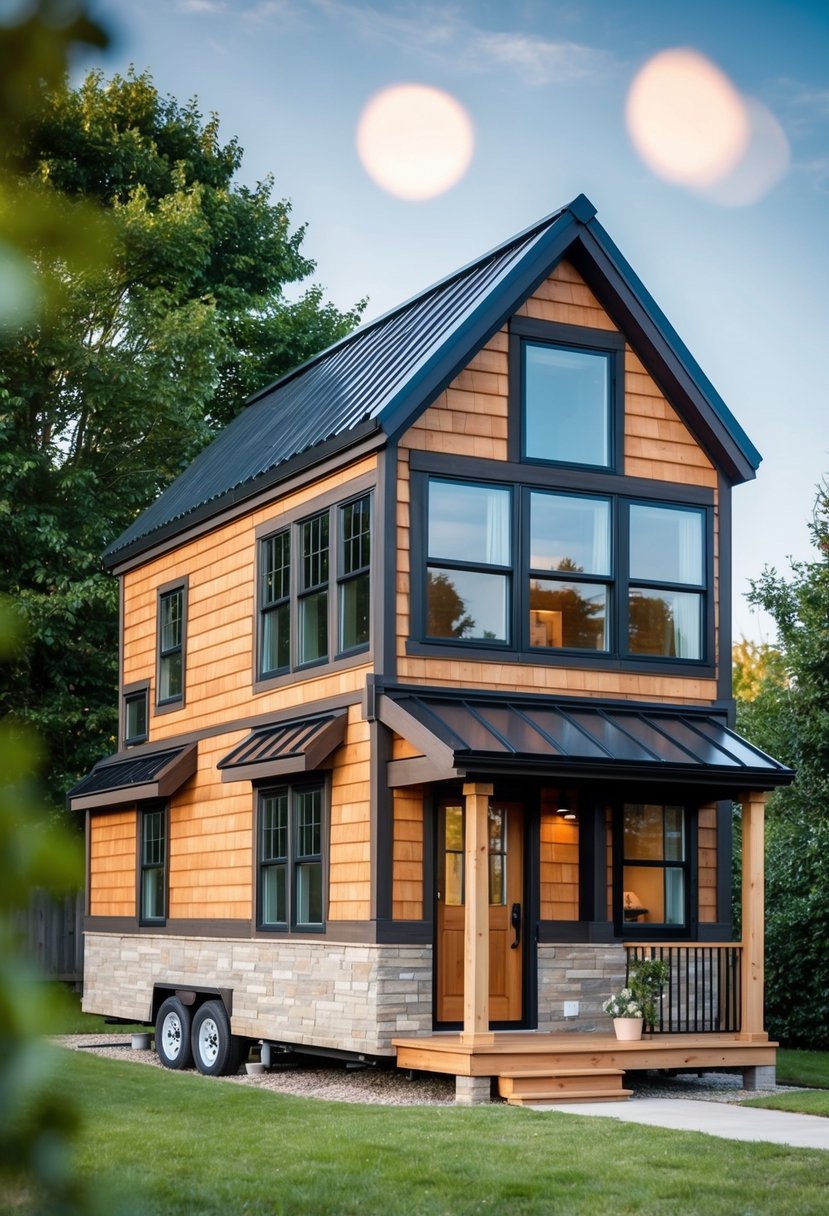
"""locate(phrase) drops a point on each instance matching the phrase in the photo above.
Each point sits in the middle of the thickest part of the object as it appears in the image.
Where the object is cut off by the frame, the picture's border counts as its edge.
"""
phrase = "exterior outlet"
(571, 1009)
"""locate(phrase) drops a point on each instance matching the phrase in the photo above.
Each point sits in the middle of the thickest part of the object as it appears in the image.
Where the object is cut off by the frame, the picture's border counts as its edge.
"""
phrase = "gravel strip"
(389, 1087)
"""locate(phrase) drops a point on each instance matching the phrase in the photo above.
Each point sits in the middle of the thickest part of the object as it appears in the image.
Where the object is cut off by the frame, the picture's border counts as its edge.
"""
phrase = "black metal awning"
(119, 782)
(298, 746)
(490, 734)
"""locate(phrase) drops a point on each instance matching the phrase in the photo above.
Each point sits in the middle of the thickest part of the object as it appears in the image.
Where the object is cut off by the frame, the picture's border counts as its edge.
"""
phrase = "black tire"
(216, 1051)
(172, 1034)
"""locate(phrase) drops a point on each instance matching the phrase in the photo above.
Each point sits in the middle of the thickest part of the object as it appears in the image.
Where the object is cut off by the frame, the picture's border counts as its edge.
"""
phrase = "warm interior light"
(564, 809)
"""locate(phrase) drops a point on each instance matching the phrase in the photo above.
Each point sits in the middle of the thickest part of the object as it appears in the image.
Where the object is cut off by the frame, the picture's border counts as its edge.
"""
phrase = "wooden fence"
(52, 933)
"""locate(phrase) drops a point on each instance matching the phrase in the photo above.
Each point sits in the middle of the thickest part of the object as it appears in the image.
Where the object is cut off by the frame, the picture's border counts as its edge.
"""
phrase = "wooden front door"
(506, 912)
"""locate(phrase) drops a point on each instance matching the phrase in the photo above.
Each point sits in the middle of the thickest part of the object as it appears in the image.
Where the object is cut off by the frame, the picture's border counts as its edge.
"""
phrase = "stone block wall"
(320, 993)
(577, 972)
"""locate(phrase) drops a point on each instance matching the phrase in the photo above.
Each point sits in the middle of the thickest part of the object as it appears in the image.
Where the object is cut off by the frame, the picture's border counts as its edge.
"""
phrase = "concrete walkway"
(733, 1122)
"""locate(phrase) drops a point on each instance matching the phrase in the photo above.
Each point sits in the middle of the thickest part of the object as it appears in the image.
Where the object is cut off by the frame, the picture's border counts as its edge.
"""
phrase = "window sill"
(312, 671)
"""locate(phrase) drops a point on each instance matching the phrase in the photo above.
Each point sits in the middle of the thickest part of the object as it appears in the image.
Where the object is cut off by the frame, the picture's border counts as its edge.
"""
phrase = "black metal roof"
(149, 775)
(503, 733)
(286, 747)
(376, 380)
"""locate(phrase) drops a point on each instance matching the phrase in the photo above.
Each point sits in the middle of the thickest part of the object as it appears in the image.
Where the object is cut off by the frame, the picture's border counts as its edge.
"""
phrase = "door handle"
(515, 921)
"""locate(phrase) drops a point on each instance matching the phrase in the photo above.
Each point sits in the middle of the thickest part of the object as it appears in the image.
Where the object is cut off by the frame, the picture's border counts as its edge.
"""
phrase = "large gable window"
(567, 389)
(564, 573)
(567, 404)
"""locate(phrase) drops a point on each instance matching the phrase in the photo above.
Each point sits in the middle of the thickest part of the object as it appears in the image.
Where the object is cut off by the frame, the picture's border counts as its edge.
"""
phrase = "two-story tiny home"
(426, 693)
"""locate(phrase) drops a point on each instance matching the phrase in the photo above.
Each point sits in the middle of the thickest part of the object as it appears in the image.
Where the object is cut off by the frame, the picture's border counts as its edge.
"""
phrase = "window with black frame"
(290, 893)
(275, 603)
(355, 573)
(312, 607)
(585, 574)
(153, 865)
(135, 716)
(567, 404)
(171, 646)
(654, 865)
(469, 562)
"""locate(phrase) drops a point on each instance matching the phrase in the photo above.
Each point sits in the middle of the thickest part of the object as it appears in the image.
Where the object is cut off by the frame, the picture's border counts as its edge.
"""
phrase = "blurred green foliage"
(784, 709)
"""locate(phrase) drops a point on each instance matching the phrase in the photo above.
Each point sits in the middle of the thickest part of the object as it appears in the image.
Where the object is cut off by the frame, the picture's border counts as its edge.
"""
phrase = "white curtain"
(686, 611)
(689, 546)
(497, 527)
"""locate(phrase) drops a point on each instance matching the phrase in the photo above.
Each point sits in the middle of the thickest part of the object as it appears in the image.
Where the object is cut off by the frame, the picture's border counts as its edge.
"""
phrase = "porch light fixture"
(564, 808)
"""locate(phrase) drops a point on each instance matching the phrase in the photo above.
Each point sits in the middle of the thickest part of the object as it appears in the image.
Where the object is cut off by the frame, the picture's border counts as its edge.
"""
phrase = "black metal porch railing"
(702, 995)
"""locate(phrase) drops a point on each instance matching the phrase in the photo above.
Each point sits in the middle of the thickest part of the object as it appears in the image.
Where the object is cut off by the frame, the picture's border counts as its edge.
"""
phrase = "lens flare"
(686, 119)
(415, 141)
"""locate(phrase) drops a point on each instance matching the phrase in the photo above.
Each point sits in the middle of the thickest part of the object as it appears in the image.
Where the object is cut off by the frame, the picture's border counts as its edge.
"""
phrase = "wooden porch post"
(476, 917)
(753, 905)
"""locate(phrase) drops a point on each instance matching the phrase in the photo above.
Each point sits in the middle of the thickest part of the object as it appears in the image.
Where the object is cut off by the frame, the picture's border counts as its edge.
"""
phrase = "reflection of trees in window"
(447, 615)
(651, 626)
(581, 621)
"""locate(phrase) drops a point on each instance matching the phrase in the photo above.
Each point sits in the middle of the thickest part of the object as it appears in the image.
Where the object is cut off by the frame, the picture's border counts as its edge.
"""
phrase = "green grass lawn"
(803, 1068)
(67, 1017)
(177, 1144)
(801, 1101)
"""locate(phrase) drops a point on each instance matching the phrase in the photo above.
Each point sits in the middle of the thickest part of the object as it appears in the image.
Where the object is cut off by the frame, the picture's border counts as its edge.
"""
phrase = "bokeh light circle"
(415, 141)
(686, 119)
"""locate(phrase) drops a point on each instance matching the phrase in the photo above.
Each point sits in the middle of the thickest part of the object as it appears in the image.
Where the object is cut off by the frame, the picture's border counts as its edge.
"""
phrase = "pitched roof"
(373, 383)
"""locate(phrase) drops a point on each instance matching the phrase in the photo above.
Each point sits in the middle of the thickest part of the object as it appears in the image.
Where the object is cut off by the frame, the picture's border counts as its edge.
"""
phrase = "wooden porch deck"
(532, 1066)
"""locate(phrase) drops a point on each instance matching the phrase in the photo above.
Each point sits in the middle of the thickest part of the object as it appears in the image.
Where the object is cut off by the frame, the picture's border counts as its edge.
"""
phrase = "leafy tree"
(447, 615)
(127, 365)
(788, 715)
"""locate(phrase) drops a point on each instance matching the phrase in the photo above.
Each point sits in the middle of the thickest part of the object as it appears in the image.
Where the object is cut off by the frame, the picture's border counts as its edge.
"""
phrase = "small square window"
(135, 716)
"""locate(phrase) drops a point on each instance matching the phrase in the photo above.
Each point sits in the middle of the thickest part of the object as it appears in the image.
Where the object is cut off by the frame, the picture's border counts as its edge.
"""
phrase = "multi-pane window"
(153, 865)
(451, 877)
(567, 412)
(570, 571)
(275, 602)
(655, 869)
(355, 580)
(135, 716)
(468, 572)
(171, 646)
(290, 858)
(581, 572)
(315, 588)
(667, 581)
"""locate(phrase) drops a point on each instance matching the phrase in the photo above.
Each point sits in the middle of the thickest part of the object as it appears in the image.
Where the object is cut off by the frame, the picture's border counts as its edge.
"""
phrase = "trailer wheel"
(217, 1052)
(172, 1034)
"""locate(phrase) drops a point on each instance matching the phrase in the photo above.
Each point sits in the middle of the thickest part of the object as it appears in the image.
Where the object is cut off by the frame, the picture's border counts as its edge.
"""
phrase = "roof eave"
(337, 445)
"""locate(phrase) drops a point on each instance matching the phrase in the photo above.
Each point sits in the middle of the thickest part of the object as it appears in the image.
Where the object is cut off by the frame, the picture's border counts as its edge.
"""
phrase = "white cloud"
(539, 60)
(202, 6)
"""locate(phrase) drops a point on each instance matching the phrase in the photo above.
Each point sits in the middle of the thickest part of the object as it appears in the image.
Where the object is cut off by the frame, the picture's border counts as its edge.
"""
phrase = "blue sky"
(545, 84)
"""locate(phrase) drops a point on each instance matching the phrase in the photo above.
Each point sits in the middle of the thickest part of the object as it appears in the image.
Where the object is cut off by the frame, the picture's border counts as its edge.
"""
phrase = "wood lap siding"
(470, 419)
(112, 855)
(349, 875)
(211, 842)
(559, 865)
(221, 599)
(407, 864)
(707, 855)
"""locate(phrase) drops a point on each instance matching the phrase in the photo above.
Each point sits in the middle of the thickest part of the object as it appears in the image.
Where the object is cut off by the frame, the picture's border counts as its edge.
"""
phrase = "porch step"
(522, 1087)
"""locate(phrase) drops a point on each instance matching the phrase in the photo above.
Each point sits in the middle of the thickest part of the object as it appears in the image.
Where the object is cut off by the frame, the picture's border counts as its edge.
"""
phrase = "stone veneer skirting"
(325, 994)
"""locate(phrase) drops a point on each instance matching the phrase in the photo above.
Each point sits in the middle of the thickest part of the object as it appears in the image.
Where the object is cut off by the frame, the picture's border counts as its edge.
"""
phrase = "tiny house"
(426, 714)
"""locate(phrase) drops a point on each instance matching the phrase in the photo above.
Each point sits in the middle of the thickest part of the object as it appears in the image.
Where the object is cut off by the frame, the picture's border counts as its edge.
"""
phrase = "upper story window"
(171, 624)
(469, 561)
(542, 570)
(567, 404)
(135, 716)
(315, 588)
(567, 387)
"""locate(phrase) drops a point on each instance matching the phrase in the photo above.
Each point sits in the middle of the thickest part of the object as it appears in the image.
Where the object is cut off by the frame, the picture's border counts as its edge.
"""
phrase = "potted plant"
(646, 979)
(627, 1014)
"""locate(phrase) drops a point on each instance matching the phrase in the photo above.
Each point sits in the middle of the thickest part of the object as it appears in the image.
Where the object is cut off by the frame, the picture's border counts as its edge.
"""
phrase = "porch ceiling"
(487, 734)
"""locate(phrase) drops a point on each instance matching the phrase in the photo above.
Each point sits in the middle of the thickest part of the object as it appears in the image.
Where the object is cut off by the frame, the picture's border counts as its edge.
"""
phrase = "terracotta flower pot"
(628, 1029)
